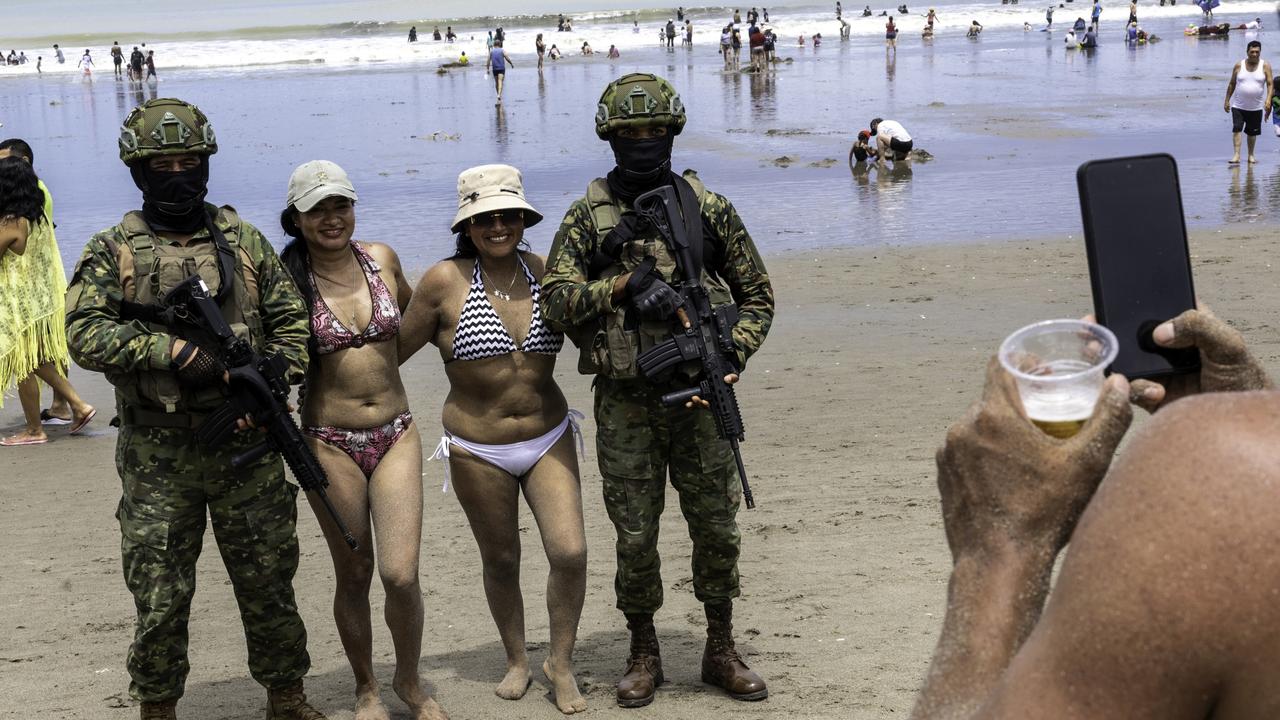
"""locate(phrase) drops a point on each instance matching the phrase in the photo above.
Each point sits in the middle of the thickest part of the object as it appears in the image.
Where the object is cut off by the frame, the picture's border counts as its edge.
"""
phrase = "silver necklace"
(489, 283)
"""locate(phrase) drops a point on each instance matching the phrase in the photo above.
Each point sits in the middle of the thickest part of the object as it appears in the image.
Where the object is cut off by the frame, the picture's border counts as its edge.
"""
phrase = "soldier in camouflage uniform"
(607, 286)
(165, 386)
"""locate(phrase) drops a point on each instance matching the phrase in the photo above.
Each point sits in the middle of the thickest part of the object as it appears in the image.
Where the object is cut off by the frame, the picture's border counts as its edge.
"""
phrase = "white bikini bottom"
(516, 459)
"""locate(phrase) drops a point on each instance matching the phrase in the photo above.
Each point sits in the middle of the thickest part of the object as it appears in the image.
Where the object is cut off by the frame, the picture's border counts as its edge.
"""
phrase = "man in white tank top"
(1248, 98)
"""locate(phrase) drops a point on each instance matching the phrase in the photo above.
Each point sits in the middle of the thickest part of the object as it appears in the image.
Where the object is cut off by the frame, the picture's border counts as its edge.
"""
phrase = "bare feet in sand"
(421, 705)
(515, 683)
(369, 704)
(565, 687)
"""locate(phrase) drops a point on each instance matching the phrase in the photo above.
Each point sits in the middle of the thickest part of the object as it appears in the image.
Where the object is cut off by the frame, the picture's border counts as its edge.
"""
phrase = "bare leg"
(1235, 143)
(29, 397)
(62, 386)
(395, 501)
(553, 492)
(1253, 140)
(490, 498)
(348, 491)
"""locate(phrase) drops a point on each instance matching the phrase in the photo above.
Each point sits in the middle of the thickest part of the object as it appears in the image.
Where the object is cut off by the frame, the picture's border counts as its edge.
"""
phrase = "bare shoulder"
(537, 264)
(382, 253)
(446, 276)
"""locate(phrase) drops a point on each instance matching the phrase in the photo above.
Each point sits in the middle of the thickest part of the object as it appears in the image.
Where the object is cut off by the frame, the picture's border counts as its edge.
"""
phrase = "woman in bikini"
(507, 426)
(356, 417)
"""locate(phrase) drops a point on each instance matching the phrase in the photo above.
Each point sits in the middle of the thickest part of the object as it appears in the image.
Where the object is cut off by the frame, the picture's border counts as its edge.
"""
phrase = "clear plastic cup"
(1059, 366)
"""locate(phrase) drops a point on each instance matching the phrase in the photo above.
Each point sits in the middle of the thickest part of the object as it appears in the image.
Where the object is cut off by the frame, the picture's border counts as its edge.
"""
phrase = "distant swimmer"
(613, 52)
(1048, 18)
(448, 33)
(86, 64)
(1090, 39)
(463, 59)
(117, 59)
(413, 34)
(58, 53)
(688, 33)
(498, 62)
(1254, 24)
(1071, 41)
(892, 140)
(435, 34)
(845, 29)
(541, 49)
(891, 34)
(151, 64)
(1221, 29)
(866, 11)
(930, 19)
(1079, 26)
(975, 29)
(586, 48)
(554, 52)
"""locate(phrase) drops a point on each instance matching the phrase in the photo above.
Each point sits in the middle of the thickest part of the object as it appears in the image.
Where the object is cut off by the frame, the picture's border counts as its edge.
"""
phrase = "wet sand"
(844, 565)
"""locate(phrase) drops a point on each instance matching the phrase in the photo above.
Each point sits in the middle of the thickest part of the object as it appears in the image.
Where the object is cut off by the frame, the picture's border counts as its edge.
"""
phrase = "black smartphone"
(1139, 264)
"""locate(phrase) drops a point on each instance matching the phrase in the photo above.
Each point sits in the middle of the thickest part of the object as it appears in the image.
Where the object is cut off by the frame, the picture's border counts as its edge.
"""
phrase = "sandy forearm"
(993, 602)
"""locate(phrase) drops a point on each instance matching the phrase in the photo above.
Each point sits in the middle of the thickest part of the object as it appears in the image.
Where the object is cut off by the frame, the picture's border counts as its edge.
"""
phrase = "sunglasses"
(508, 217)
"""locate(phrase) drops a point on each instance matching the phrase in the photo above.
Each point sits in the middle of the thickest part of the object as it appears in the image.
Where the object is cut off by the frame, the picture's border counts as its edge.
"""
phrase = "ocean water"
(1008, 117)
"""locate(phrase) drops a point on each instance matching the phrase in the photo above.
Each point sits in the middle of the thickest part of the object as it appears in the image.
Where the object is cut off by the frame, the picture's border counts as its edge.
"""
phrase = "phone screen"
(1139, 264)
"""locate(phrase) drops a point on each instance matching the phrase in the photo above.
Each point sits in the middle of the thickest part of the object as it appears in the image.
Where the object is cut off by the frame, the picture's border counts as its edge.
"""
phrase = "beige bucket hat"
(314, 181)
(487, 188)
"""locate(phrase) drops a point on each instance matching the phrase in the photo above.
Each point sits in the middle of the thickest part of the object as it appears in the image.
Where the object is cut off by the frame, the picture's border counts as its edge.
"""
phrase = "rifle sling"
(691, 211)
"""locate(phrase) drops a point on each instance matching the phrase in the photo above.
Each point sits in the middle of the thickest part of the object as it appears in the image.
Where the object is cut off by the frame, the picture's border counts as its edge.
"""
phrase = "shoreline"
(873, 353)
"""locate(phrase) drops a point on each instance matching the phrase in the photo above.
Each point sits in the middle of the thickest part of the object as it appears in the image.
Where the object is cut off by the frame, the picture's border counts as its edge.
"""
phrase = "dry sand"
(873, 353)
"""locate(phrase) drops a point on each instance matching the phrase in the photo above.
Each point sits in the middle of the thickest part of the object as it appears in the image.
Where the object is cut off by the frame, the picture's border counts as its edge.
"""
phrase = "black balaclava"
(642, 165)
(173, 201)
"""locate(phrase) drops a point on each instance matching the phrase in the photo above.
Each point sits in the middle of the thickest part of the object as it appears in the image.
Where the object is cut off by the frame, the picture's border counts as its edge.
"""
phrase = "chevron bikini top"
(480, 333)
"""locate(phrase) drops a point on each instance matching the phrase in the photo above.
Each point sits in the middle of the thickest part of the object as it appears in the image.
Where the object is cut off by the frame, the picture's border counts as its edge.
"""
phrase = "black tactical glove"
(656, 302)
(650, 296)
(204, 369)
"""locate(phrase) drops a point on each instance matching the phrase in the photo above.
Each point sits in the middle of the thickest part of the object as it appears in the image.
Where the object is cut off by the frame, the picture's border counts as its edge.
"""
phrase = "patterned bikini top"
(480, 333)
(330, 335)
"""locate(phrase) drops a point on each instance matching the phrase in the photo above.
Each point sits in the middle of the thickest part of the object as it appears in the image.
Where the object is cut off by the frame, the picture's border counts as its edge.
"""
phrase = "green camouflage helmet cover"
(165, 126)
(639, 100)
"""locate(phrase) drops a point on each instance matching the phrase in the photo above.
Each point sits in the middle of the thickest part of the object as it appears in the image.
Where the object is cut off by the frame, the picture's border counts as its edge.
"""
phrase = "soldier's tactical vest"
(149, 268)
(610, 345)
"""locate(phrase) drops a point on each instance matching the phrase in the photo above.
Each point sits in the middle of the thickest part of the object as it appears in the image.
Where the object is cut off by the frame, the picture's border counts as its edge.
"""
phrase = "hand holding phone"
(1226, 363)
(1139, 262)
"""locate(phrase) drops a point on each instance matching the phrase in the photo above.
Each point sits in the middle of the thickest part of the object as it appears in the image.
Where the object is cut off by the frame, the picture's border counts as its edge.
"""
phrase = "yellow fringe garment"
(32, 306)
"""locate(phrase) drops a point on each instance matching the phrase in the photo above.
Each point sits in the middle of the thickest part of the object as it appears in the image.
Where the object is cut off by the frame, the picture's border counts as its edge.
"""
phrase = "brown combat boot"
(290, 703)
(721, 664)
(644, 666)
(166, 710)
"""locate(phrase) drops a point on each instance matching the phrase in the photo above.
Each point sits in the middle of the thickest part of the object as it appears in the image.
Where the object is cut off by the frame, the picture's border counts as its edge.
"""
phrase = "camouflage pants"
(637, 439)
(168, 482)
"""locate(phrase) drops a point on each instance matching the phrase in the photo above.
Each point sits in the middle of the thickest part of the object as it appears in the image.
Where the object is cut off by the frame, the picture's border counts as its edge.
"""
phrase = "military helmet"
(639, 100)
(165, 126)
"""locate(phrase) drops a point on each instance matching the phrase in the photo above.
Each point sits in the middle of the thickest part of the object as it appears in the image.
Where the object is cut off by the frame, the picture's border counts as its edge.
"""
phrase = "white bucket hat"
(487, 188)
(314, 181)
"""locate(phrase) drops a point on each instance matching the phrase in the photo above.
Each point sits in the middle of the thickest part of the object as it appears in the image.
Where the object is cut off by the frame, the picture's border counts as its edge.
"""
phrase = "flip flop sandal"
(48, 418)
(82, 422)
(15, 441)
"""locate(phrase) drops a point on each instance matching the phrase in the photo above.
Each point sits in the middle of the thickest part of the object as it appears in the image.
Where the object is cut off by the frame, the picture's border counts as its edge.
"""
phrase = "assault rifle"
(257, 388)
(709, 337)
